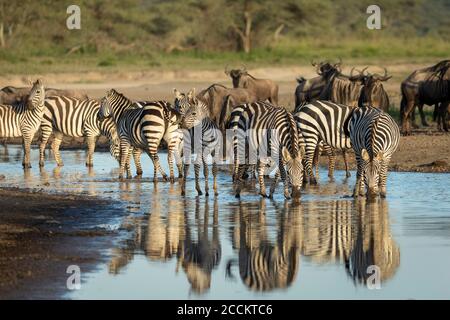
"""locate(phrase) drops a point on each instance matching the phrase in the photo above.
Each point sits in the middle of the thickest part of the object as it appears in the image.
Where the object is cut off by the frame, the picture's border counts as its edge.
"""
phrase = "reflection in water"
(374, 244)
(173, 235)
(266, 264)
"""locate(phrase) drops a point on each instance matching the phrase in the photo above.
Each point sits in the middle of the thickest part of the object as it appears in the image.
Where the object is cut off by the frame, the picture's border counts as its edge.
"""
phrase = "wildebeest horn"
(313, 63)
(227, 72)
(338, 63)
(244, 68)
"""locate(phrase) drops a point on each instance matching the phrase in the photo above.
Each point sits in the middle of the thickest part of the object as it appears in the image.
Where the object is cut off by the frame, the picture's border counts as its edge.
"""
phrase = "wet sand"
(42, 234)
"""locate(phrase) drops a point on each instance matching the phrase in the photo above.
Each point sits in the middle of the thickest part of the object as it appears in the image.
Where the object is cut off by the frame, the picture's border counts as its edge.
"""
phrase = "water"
(223, 248)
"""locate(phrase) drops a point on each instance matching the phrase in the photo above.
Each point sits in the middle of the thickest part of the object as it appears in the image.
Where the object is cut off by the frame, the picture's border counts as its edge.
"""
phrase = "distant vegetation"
(204, 33)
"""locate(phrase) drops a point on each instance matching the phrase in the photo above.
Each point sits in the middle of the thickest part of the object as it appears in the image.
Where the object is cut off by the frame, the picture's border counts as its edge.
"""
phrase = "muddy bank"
(42, 234)
(424, 152)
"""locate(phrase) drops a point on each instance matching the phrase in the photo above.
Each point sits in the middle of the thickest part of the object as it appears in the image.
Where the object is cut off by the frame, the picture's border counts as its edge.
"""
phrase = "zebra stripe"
(205, 138)
(68, 116)
(270, 133)
(24, 119)
(140, 125)
(375, 137)
(322, 121)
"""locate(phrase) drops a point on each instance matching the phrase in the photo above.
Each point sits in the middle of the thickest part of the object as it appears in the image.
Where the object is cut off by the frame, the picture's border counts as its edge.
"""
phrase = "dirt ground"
(41, 235)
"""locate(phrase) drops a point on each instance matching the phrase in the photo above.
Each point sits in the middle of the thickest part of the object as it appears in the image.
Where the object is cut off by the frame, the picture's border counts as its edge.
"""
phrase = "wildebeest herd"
(243, 125)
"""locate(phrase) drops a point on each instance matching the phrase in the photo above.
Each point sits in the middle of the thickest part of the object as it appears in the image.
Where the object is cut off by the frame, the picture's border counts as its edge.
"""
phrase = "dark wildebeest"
(264, 89)
(309, 90)
(12, 95)
(429, 86)
(442, 115)
(373, 93)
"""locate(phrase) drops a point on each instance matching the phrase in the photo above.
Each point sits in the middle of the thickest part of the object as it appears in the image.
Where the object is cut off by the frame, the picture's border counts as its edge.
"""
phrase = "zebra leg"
(274, 184)
(283, 176)
(46, 132)
(331, 161)
(315, 163)
(197, 173)
(170, 162)
(128, 164)
(359, 186)
(383, 179)
(214, 172)
(206, 175)
(179, 161)
(347, 172)
(262, 186)
(26, 150)
(309, 156)
(91, 148)
(124, 156)
(157, 167)
(183, 182)
(57, 139)
(137, 161)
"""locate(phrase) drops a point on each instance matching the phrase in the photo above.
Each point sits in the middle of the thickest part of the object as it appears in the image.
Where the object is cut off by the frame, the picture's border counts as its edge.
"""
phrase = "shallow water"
(220, 247)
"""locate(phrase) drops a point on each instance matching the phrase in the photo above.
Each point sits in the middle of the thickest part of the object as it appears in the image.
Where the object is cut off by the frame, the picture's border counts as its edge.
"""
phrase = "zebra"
(73, 117)
(198, 127)
(143, 126)
(375, 137)
(23, 119)
(322, 121)
(268, 129)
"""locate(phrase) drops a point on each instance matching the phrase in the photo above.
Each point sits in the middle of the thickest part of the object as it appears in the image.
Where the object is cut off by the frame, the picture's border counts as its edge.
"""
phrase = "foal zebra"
(323, 121)
(375, 137)
(23, 119)
(271, 134)
(73, 117)
(204, 136)
(141, 126)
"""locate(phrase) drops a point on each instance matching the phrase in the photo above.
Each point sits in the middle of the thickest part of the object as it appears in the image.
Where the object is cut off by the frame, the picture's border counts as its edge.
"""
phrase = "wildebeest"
(265, 89)
(442, 115)
(221, 99)
(373, 93)
(13, 95)
(429, 86)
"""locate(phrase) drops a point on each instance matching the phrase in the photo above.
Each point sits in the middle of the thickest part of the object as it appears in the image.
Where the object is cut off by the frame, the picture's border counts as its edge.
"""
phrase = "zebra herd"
(259, 136)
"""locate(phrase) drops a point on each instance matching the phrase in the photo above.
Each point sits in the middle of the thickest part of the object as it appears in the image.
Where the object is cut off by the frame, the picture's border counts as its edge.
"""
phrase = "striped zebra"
(322, 121)
(270, 134)
(375, 137)
(24, 119)
(142, 126)
(203, 135)
(73, 117)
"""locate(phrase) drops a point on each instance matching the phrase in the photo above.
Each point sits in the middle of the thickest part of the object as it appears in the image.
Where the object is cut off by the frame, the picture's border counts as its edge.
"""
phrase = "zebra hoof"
(139, 172)
(165, 179)
(89, 165)
(138, 176)
(41, 164)
(183, 193)
(237, 195)
(263, 194)
(26, 165)
(348, 174)
(206, 194)
(199, 192)
(216, 193)
(172, 180)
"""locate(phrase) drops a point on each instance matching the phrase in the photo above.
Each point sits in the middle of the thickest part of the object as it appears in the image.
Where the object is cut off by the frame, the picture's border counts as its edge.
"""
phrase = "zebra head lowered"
(372, 169)
(37, 95)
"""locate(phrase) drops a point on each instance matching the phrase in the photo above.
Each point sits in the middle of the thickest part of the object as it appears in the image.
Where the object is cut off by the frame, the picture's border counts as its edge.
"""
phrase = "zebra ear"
(177, 94)
(365, 155)
(380, 156)
(286, 154)
(191, 94)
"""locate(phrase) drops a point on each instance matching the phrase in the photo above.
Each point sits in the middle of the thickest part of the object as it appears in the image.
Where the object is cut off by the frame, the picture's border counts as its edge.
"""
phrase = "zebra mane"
(374, 128)
(119, 96)
(293, 133)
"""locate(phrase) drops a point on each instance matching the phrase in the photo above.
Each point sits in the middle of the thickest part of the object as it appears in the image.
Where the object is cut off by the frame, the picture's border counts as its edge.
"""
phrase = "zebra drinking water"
(375, 137)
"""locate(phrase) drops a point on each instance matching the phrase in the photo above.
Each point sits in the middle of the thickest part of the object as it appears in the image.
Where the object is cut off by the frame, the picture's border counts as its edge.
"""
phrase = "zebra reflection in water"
(164, 237)
(265, 264)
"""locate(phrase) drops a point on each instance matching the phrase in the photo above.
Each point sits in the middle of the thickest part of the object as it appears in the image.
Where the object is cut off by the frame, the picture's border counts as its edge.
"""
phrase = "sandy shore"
(42, 234)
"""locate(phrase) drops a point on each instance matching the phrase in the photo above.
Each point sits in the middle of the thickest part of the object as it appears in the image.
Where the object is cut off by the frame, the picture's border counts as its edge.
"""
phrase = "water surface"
(174, 247)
